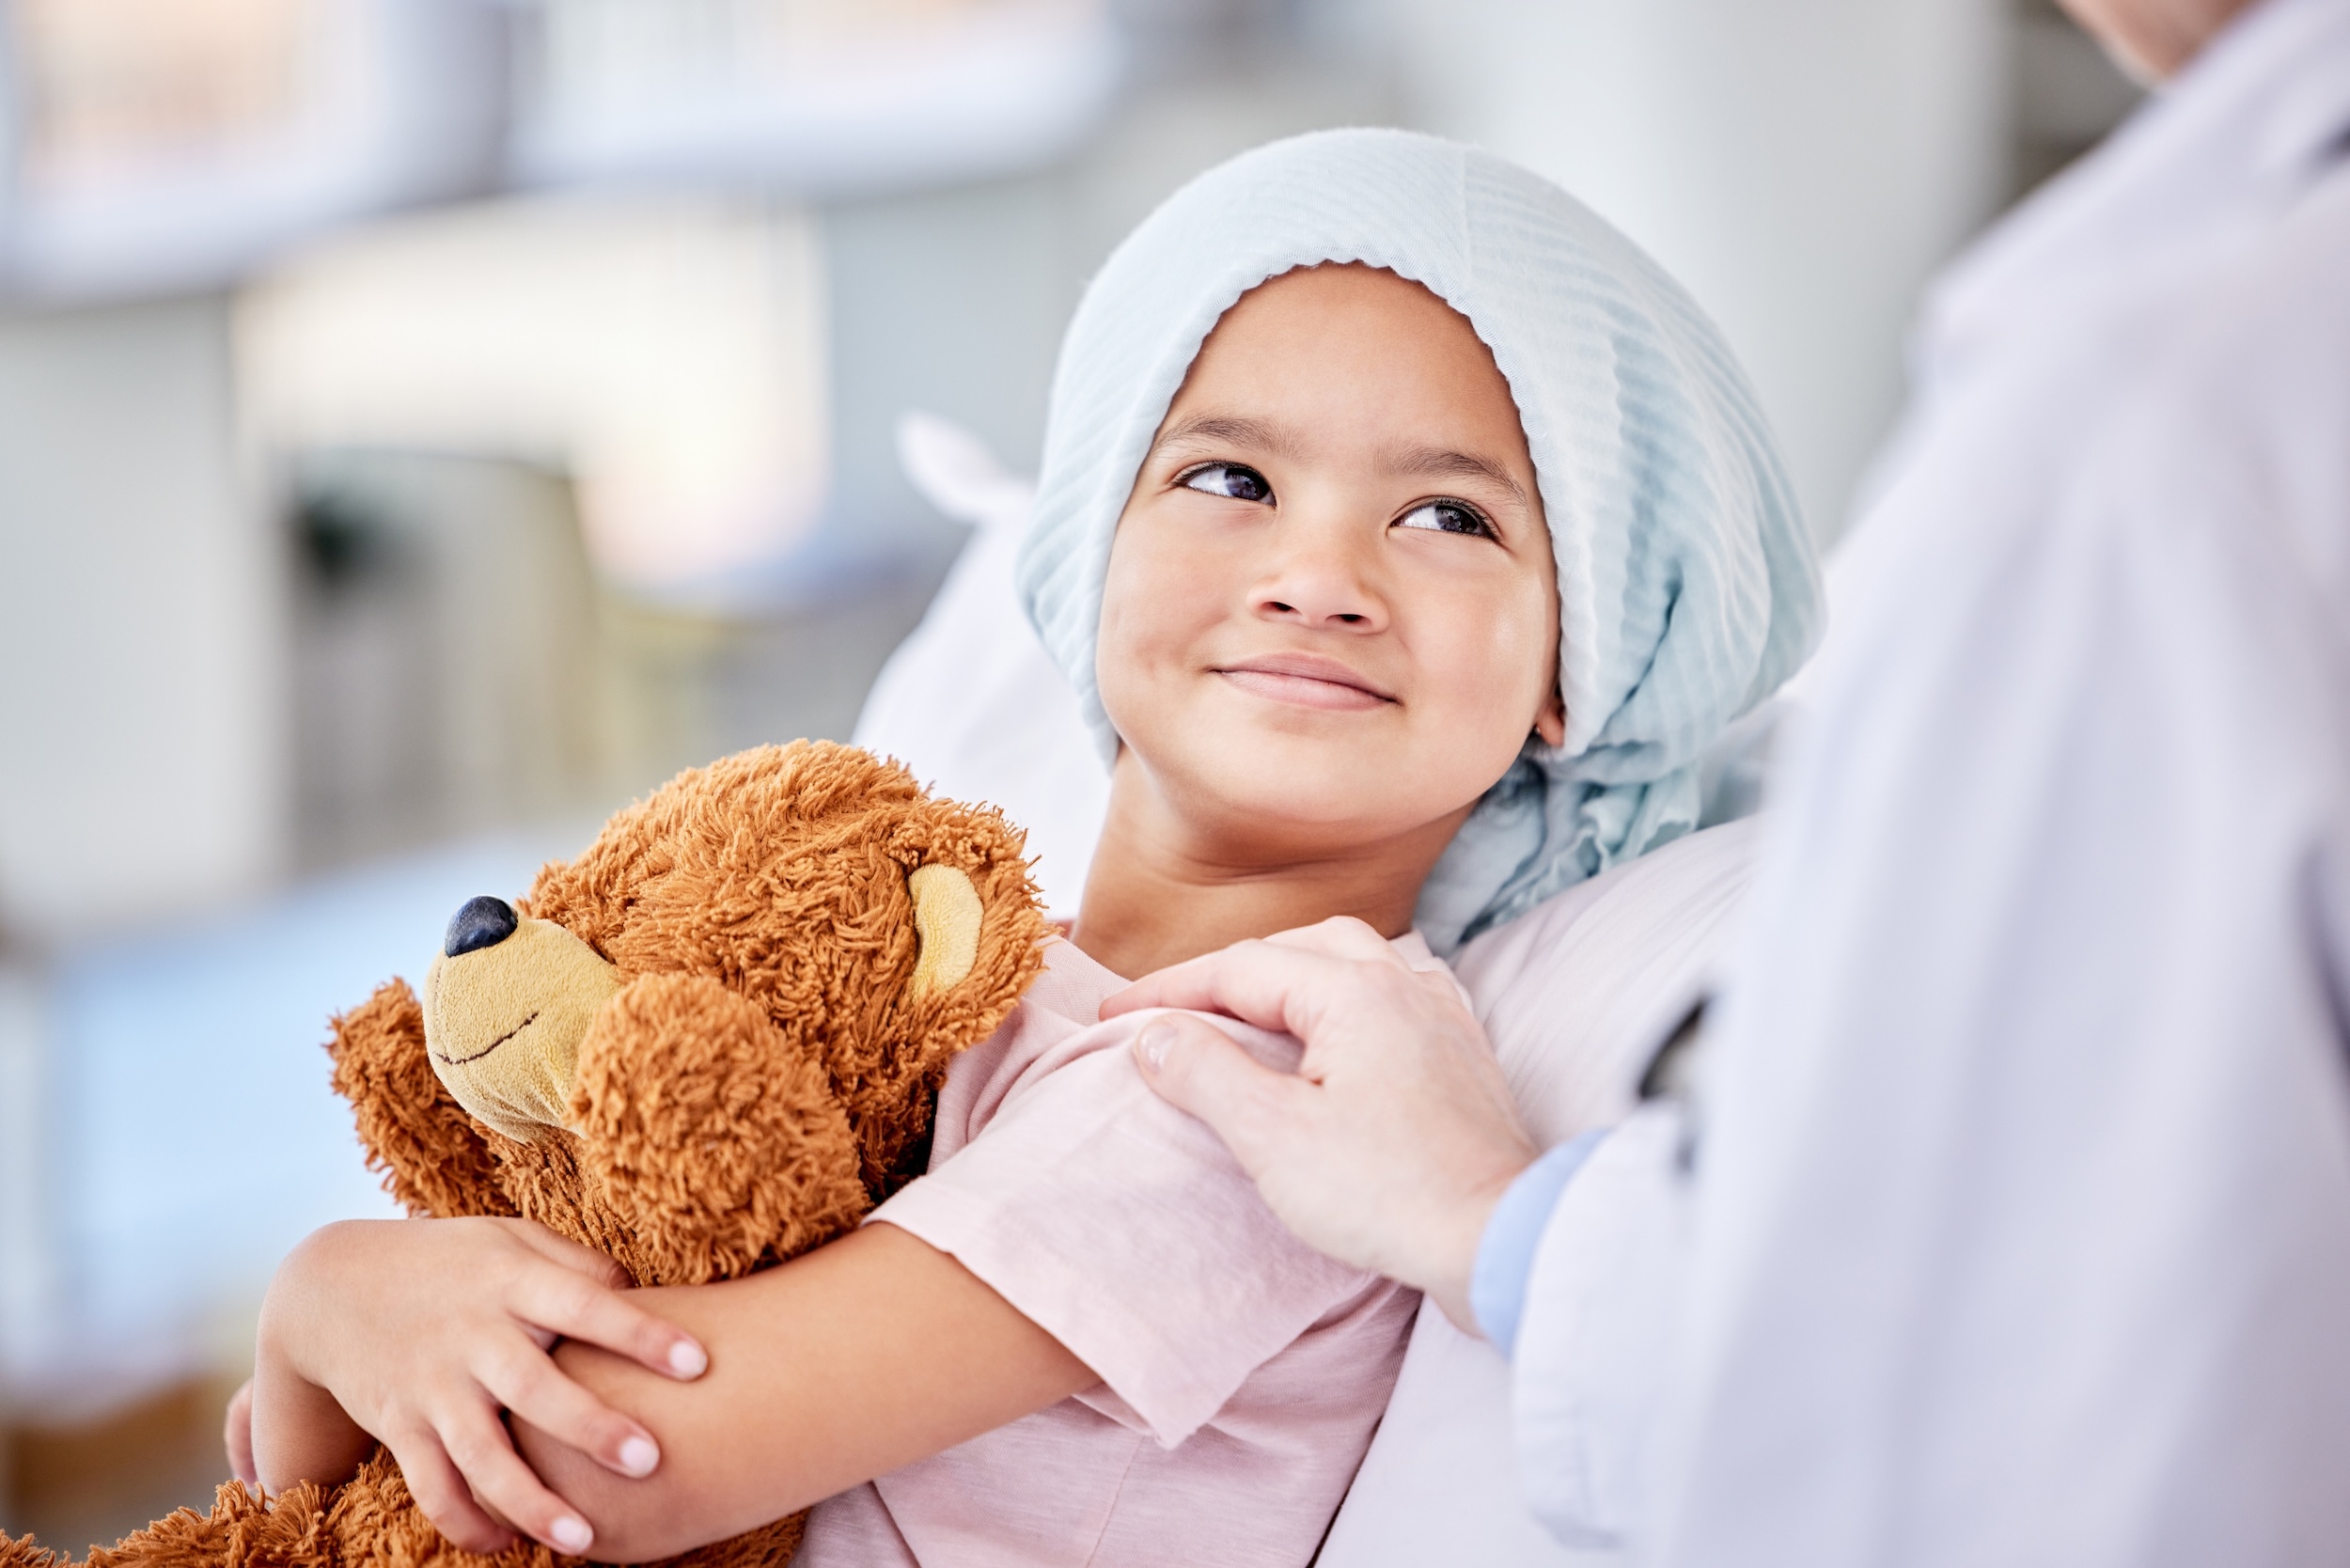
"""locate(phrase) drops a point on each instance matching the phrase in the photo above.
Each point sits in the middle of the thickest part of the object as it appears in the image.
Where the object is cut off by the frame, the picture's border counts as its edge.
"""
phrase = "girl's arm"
(833, 1368)
(838, 1367)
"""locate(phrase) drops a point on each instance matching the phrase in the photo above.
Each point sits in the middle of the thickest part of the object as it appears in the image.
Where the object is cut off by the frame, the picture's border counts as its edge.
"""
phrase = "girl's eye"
(1447, 517)
(1229, 479)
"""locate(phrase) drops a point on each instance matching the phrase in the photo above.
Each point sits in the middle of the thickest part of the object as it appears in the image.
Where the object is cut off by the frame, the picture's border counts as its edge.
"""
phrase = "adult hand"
(1394, 1139)
(423, 1332)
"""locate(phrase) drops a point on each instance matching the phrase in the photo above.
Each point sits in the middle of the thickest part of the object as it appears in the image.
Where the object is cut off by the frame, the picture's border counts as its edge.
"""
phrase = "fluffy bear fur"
(763, 1076)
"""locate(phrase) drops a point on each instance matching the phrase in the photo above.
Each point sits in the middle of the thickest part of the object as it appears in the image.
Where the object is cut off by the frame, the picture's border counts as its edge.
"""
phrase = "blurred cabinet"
(457, 667)
(806, 95)
(141, 726)
(444, 655)
(169, 145)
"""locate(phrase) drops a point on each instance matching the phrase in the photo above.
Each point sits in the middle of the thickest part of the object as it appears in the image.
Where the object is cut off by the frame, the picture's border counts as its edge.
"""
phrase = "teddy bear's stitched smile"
(459, 1062)
(518, 1082)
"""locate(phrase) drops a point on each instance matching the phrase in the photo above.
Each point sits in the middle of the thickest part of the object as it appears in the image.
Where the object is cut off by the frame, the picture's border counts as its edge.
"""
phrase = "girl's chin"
(1261, 796)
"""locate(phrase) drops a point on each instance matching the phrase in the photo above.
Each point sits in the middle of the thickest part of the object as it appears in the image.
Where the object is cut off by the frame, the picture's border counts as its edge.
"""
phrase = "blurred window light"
(166, 145)
(667, 353)
(812, 94)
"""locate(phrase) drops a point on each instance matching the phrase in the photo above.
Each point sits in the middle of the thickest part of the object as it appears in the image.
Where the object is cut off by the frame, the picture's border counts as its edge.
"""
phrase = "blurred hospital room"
(427, 425)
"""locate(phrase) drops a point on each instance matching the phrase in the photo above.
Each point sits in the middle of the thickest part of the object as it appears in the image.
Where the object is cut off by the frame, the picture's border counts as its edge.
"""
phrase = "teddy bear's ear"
(434, 1159)
(973, 941)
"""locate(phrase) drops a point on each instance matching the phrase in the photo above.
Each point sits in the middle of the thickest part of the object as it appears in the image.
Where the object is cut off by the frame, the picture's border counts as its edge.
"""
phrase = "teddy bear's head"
(715, 1038)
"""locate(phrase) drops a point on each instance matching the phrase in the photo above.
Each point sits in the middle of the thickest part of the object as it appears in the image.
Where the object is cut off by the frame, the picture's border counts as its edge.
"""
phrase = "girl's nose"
(1322, 579)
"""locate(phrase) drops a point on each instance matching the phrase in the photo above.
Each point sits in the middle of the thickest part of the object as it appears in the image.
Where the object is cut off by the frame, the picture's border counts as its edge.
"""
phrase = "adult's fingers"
(574, 1306)
(484, 1453)
(1284, 988)
(524, 1380)
(1198, 1068)
(237, 1434)
(1341, 937)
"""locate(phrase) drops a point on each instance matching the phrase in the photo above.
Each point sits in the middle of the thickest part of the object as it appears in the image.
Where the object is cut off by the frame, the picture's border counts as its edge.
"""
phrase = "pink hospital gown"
(1241, 1372)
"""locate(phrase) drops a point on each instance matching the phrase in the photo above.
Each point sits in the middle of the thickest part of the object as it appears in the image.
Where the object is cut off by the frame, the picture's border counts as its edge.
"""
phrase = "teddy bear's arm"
(433, 1160)
(719, 1145)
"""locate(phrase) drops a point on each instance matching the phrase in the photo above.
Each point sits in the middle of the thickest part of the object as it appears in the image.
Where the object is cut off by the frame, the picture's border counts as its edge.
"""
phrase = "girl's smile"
(1307, 680)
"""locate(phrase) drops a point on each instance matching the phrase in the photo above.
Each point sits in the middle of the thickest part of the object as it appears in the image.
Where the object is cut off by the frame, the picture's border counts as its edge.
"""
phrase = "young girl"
(1406, 535)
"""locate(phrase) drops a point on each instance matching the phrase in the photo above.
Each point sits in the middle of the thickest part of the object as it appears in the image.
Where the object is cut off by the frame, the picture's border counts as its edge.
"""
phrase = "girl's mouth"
(1305, 679)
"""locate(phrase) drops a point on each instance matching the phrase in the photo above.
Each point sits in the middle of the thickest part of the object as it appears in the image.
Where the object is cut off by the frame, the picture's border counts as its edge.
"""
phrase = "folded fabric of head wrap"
(1688, 589)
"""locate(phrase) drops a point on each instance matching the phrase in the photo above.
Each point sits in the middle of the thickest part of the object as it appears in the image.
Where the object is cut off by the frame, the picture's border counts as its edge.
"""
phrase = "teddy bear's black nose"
(483, 923)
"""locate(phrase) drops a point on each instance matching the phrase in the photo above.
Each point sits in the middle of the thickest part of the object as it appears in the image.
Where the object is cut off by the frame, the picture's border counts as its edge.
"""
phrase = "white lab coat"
(2018, 1230)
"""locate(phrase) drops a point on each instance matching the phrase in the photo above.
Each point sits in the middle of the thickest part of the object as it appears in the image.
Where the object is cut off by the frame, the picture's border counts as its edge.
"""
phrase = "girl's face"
(1331, 616)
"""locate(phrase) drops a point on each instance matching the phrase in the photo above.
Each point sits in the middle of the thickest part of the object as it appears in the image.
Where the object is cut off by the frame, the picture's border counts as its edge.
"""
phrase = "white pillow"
(970, 701)
(1575, 994)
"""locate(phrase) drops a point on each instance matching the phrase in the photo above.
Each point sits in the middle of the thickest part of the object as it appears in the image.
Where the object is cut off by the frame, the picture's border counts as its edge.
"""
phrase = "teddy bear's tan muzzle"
(503, 1017)
(507, 1000)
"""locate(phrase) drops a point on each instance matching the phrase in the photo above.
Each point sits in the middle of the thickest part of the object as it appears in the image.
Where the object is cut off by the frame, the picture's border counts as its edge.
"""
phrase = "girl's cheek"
(1501, 666)
(1183, 599)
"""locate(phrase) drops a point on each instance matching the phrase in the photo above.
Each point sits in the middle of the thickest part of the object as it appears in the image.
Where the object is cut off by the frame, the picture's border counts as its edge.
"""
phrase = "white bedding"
(970, 701)
(1576, 995)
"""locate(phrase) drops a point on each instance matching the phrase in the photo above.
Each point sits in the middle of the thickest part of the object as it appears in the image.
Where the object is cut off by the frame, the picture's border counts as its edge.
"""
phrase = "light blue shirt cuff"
(1505, 1255)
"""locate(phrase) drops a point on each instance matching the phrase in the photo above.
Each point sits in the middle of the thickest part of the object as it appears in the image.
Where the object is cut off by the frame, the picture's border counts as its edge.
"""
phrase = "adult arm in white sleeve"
(2022, 1214)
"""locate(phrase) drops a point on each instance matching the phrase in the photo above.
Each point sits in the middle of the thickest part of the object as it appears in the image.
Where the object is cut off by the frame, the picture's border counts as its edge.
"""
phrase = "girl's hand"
(237, 1434)
(424, 1332)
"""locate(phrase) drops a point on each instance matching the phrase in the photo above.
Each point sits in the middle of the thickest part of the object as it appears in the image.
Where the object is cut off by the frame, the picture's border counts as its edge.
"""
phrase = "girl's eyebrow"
(1437, 463)
(1228, 429)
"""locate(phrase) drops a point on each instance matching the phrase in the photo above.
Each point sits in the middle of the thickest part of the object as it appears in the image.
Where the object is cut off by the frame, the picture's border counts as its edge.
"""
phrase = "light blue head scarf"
(1687, 589)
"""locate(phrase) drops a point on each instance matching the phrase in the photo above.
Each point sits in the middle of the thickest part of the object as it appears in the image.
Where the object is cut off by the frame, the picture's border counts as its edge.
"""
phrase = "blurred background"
(427, 424)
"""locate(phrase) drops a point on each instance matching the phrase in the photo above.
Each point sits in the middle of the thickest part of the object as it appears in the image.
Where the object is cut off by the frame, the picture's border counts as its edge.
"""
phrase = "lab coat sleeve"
(1505, 1254)
(1601, 1311)
(2023, 1200)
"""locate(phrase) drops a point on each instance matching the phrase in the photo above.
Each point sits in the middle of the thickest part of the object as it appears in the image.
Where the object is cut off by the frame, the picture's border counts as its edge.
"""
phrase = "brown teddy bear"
(711, 1043)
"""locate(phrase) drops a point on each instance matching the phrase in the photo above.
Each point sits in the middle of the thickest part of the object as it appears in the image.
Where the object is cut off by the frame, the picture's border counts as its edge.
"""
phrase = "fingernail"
(638, 1456)
(688, 1359)
(1154, 1045)
(571, 1534)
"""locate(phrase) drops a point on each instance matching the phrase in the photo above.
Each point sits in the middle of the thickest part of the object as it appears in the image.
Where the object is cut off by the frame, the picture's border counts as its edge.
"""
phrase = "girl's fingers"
(441, 1491)
(575, 1256)
(237, 1434)
(525, 1382)
(477, 1445)
(576, 1308)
